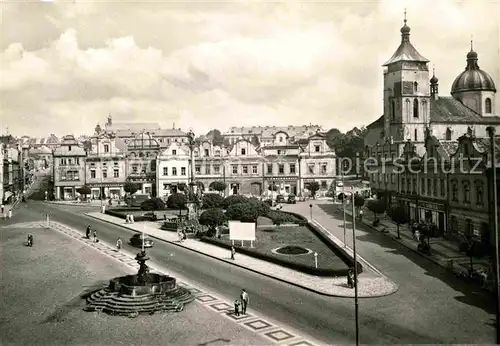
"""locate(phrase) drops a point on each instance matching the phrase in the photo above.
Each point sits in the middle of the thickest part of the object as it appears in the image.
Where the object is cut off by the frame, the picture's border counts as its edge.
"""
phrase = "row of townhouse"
(449, 185)
(109, 162)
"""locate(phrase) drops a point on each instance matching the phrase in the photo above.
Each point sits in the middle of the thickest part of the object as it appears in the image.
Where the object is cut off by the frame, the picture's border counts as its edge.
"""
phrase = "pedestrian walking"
(30, 240)
(119, 244)
(360, 215)
(417, 235)
(350, 278)
(3, 208)
(95, 236)
(244, 301)
(237, 304)
(10, 214)
(87, 232)
(233, 252)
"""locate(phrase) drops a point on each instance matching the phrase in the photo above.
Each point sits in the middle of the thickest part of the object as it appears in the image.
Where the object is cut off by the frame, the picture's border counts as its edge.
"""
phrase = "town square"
(250, 173)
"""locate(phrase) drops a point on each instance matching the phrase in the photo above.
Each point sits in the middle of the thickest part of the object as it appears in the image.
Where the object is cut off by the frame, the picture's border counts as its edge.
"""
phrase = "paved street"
(41, 302)
(431, 306)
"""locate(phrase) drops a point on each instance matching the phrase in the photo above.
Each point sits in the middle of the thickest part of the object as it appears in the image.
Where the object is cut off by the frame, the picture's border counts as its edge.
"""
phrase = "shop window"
(469, 228)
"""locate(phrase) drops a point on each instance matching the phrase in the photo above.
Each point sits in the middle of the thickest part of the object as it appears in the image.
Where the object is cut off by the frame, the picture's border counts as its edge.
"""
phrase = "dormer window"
(243, 151)
(69, 147)
(217, 153)
(174, 152)
(106, 148)
(281, 139)
(317, 148)
(206, 152)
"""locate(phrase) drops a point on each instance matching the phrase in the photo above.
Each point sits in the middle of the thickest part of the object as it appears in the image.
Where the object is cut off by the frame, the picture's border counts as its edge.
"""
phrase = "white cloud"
(205, 65)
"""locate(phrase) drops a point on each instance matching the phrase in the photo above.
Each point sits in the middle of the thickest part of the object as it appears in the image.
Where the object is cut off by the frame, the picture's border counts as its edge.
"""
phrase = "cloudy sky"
(66, 65)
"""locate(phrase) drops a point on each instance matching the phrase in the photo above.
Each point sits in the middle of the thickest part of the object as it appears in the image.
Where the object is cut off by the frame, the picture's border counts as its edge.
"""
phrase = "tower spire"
(405, 16)
(471, 43)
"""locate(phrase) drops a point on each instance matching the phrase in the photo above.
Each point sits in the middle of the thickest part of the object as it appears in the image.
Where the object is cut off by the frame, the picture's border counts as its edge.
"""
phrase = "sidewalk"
(369, 285)
(443, 252)
(92, 203)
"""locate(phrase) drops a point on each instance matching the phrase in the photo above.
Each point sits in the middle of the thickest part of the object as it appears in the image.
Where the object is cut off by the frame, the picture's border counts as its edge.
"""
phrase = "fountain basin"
(130, 284)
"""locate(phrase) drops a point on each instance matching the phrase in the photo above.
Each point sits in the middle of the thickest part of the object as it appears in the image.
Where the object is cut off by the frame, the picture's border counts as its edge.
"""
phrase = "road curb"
(72, 204)
(388, 234)
(361, 259)
(250, 269)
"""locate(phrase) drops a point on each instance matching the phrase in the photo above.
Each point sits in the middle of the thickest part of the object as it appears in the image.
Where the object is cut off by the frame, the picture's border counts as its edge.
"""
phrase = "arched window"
(393, 110)
(487, 105)
(408, 108)
(416, 135)
(415, 108)
(466, 186)
(448, 134)
(415, 87)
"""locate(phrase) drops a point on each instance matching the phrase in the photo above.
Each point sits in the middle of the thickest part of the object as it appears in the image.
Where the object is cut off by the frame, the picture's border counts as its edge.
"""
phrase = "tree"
(313, 186)
(212, 218)
(153, 204)
(130, 187)
(376, 206)
(216, 137)
(255, 141)
(212, 200)
(177, 201)
(219, 186)
(262, 208)
(84, 191)
(273, 187)
(244, 212)
(398, 215)
(234, 199)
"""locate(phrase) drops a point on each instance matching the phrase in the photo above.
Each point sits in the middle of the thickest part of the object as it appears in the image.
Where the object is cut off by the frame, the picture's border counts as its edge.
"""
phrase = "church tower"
(406, 93)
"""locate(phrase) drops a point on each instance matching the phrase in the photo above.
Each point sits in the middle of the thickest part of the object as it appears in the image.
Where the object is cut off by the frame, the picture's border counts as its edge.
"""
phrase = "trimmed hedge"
(279, 217)
(123, 215)
(277, 259)
(338, 251)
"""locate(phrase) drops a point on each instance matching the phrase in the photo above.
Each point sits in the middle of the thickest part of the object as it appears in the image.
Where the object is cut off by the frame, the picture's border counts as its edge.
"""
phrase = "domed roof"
(473, 78)
(143, 140)
(434, 79)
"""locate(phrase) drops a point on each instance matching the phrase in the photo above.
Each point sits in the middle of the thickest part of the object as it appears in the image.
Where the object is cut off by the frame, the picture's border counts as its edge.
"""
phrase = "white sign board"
(241, 230)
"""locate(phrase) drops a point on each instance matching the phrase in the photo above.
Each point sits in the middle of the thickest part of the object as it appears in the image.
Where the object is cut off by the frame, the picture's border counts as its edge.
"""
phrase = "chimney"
(173, 126)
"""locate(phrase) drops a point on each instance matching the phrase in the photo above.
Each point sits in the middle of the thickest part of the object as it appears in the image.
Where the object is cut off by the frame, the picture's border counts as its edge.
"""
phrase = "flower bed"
(268, 239)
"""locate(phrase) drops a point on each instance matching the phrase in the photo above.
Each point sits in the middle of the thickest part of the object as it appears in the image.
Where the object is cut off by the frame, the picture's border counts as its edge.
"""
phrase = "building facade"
(172, 169)
(413, 106)
(288, 164)
(142, 154)
(12, 184)
(106, 166)
(264, 135)
(68, 168)
(129, 131)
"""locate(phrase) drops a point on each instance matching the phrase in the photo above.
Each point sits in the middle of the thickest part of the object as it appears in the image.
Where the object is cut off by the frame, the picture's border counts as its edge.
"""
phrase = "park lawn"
(270, 238)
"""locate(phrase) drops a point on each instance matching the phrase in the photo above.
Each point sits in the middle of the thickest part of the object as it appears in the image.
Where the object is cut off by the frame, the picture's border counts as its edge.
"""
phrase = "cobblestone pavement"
(265, 329)
(371, 283)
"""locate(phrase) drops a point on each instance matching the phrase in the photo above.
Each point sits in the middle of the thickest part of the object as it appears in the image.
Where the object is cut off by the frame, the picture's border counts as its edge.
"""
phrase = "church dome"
(473, 78)
(434, 79)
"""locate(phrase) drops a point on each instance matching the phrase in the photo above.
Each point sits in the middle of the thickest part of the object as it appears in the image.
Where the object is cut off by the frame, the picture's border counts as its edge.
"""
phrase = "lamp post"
(343, 202)
(491, 133)
(191, 196)
(311, 210)
(356, 306)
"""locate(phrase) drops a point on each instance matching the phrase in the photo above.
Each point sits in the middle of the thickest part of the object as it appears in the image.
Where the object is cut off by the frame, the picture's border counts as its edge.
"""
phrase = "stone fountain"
(143, 292)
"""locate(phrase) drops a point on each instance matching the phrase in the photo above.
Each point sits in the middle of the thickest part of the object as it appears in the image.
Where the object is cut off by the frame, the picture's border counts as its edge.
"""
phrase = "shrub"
(218, 186)
(212, 200)
(398, 214)
(376, 206)
(279, 217)
(212, 218)
(130, 187)
(244, 212)
(313, 186)
(359, 201)
(177, 201)
(234, 199)
(262, 208)
(153, 204)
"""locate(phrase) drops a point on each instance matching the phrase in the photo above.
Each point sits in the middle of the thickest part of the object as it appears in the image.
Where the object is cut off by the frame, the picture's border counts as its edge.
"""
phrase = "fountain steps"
(111, 302)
